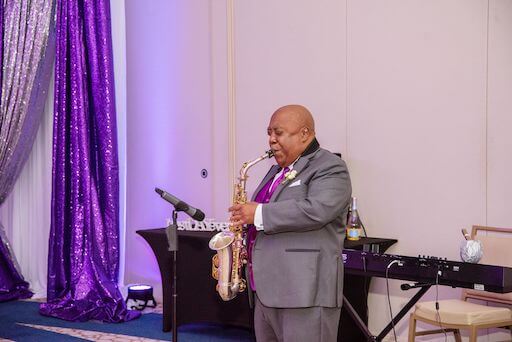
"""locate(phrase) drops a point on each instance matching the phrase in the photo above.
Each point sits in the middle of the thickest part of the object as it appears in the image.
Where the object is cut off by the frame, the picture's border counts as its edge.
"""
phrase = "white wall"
(499, 114)
(289, 52)
(417, 111)
(415, 94)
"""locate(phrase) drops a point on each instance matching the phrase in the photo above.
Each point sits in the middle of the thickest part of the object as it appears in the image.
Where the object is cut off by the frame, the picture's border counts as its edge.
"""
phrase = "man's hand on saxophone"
(242, 213)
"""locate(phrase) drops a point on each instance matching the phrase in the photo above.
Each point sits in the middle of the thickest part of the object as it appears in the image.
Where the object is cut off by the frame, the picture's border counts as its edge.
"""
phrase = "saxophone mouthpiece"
(270, 153)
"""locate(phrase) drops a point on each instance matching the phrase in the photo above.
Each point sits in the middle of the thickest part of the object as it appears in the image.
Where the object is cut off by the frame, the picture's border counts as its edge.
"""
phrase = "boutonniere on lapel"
(288, 176)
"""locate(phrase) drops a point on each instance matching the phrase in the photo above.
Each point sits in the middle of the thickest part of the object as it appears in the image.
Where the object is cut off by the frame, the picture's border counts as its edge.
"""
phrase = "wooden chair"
(455, 314)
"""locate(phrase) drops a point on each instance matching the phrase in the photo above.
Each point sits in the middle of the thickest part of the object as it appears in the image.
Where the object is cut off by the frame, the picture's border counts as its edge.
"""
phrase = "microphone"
(195, 213)
(409, 286)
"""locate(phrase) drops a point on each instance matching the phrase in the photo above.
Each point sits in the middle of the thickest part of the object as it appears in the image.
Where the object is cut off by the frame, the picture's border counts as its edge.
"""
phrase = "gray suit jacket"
(297, 258)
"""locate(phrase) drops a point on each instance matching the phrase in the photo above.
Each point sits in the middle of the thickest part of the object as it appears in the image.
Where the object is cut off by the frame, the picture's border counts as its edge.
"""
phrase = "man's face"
(285, 138)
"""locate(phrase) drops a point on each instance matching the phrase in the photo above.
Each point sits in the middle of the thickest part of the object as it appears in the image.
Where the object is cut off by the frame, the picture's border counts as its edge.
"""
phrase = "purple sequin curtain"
(27, 55)
(83, 259)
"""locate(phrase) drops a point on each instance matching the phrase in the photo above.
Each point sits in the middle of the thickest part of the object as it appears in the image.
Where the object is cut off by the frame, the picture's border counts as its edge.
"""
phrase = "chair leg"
(456, 334)
(473, 334)
(412, 328)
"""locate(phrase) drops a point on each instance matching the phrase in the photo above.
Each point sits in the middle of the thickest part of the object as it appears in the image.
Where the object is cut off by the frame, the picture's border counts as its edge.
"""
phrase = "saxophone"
(230, 246)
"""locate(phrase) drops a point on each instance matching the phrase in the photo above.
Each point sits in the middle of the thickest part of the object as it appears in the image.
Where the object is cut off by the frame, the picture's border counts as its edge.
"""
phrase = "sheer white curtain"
(26, 212)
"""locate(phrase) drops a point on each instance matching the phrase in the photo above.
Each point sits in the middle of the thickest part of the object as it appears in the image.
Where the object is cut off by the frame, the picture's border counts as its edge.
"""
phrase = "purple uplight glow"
(168, 120)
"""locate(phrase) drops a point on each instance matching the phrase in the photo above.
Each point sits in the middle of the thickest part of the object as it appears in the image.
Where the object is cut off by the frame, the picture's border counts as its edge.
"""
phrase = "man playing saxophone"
(296, 221)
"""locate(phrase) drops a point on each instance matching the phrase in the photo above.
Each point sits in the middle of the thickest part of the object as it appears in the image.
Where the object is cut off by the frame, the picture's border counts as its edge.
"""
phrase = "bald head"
(291, 130)
(300, 115)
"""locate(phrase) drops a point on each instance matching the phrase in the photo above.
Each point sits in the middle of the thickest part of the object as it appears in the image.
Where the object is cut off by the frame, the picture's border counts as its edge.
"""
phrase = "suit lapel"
(298, 166)
(270, 174)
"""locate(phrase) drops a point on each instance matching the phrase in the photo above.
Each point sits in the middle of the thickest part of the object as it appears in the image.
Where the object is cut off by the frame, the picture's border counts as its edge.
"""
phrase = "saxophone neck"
(247, 165)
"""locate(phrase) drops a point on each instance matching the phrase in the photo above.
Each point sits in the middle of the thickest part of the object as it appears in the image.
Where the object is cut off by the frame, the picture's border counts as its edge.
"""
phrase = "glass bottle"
(354, 227)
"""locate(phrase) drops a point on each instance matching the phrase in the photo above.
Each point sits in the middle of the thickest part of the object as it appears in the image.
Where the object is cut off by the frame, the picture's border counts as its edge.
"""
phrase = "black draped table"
(198, 301)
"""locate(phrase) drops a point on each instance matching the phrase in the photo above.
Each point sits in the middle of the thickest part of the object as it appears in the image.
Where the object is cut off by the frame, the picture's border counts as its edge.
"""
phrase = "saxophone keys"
(243, 285)
(215, 267)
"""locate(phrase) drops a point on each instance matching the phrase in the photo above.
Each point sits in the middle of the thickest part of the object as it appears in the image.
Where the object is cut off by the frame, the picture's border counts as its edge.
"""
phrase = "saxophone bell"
(221, 240)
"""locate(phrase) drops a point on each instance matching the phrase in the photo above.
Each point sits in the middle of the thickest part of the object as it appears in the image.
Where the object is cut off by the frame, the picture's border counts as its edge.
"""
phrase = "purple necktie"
(263, 196)
(266, 192)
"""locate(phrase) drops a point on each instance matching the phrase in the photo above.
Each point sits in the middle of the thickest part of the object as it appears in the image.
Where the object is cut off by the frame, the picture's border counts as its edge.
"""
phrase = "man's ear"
(305, 133)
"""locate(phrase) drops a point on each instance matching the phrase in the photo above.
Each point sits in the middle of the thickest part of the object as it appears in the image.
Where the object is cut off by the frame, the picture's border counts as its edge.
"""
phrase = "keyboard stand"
(364, 329)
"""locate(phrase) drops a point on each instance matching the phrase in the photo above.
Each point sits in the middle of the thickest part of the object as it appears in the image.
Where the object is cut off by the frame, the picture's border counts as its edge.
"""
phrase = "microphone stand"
(172, 239)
